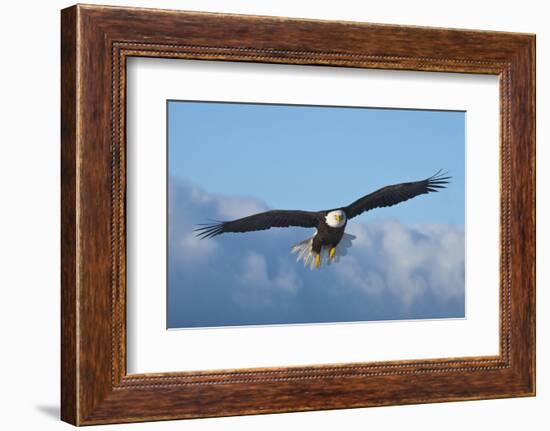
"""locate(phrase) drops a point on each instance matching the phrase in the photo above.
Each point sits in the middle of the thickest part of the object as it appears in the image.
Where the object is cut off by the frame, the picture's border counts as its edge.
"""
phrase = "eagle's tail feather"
(304, 252)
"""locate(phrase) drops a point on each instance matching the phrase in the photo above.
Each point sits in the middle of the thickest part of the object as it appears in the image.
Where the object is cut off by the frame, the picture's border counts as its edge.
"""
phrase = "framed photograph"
(264, 214)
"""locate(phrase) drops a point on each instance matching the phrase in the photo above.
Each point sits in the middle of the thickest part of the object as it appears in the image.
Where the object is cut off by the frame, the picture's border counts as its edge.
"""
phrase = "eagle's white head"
(336, 218)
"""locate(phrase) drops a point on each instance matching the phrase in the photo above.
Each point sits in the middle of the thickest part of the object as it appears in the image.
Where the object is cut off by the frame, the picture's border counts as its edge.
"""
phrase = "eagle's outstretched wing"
(396, 193)
(260, 221)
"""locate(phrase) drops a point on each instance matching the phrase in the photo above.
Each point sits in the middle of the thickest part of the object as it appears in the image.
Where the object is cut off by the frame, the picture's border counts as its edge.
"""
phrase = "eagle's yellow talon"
(332, 253)
(317, 261)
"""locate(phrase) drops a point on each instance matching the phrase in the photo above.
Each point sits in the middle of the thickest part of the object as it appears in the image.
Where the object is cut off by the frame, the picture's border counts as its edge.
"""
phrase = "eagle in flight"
(329, 238)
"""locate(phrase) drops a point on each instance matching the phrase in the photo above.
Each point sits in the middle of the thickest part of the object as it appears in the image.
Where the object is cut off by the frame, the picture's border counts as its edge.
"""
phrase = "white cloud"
(407, 260)
(230, 209)
(392, 270)
(192, 250)
(255, 286)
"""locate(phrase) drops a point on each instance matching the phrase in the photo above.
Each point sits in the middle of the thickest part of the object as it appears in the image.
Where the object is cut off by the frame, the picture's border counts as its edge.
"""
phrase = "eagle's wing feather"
(396, 193)
(260, 221)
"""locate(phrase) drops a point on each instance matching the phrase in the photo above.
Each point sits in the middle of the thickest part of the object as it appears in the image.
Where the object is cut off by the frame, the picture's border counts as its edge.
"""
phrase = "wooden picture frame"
(95, 43)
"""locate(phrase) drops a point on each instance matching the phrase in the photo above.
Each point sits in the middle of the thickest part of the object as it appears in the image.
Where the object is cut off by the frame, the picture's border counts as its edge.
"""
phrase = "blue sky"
(313, 158)
(231, 160)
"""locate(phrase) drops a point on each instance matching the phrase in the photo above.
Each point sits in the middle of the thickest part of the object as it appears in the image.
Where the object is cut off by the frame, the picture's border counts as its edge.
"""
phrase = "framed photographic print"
(264, 214)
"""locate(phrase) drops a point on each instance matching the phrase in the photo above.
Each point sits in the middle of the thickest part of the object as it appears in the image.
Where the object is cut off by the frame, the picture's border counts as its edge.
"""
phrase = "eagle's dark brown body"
(327, 237)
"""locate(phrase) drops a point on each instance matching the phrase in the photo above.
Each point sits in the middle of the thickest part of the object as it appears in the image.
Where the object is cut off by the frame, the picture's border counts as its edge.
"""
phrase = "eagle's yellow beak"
(338, 217)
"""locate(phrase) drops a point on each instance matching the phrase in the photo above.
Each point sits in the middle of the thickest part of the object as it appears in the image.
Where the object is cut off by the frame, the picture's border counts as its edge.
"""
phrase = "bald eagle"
(329, 237)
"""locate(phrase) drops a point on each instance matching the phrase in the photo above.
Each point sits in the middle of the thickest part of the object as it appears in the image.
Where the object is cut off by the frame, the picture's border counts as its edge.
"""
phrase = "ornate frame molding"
(96, 41)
